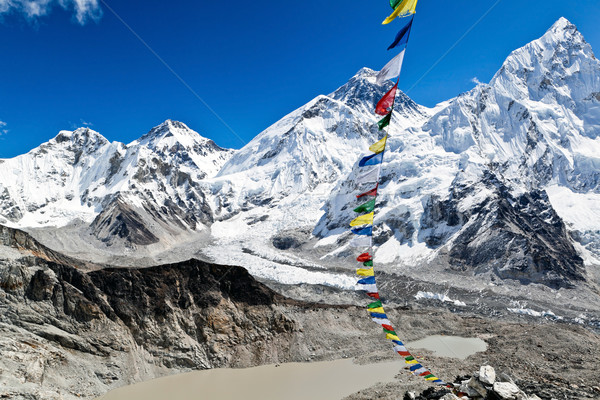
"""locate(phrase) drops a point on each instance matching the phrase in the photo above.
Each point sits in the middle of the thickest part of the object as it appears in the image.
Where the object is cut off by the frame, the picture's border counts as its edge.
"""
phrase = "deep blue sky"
(252, 62)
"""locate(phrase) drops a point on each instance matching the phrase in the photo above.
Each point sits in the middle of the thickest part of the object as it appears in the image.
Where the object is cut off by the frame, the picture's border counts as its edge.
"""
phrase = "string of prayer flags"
(381, 321)
(369, 176)
(361, 242)
(371, 288)
(368, 207)
(362, 225)
(367, 231)
(402, 36)
(366, 219)
(387, 101)
(364, 257)
(402, 9)
(365, 272)
(367, 281)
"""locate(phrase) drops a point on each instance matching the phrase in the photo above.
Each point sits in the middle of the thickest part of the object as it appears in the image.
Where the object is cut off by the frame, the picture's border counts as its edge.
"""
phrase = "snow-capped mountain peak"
(79, 141)
(362, 92)
(175, 143)
(559, 66)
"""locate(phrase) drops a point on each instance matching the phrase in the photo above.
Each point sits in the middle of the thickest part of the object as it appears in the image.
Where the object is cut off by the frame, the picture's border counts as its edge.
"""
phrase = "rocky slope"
(66, 333)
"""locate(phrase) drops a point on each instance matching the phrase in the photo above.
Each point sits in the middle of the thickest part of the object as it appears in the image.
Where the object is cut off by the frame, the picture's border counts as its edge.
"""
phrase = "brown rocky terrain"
(73, 332)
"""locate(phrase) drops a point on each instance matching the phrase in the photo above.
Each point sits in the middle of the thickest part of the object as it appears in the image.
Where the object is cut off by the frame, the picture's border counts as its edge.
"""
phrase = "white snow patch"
(533, 313)
(580, 210)
(439, 296)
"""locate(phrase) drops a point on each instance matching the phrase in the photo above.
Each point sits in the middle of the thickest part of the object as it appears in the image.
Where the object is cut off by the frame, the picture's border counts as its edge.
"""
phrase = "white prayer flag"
(391, 69)
(369, 176)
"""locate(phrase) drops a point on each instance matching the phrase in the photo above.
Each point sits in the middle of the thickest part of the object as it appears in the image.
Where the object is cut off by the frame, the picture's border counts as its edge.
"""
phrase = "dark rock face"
(198, 297)
(518, 238)
(119, 220)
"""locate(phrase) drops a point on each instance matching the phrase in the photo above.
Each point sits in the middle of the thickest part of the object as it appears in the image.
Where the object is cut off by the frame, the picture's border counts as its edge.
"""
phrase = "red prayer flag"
(373, 295)
(372, 192)
(388, 327)
(387, 101)
(364, 257)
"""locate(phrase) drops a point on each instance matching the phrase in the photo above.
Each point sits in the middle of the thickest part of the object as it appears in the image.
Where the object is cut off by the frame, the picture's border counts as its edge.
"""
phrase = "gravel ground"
(551, 359)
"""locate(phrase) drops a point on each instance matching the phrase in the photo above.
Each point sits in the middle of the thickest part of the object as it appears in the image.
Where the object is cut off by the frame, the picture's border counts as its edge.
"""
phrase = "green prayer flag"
(395, 3)
(390, 332)
(385, 121)
(366, 208)
(375, 304)
(368, 263)
(409, 358)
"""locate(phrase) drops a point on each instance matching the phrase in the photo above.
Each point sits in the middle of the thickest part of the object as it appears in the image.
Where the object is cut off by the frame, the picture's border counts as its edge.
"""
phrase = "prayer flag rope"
(370, 173)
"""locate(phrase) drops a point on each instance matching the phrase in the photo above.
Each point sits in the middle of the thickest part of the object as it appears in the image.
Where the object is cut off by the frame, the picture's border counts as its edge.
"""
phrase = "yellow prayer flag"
(411, 362)
(378, 310)
(392, 337)
(405, 8)
(365, 272)
(379, 146)
(366, 219)
(433, 378)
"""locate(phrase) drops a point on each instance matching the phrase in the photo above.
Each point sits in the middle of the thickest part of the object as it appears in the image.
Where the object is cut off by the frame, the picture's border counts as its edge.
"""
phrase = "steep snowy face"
(361, 93)
(316, 146)
(539, 117)
(157, 181)
(46, 185)
(536, 126)
(467, 188)
(176, 144)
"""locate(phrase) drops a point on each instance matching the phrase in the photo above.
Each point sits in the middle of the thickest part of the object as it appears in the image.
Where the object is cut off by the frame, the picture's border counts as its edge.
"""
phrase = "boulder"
(507, 390)
(487, 375)
(475, 385)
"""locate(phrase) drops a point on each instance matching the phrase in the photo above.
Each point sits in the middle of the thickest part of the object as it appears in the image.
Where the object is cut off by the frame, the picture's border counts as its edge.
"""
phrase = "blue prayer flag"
(367, 281)
(373, 159)
(366, 231)
(402, 36)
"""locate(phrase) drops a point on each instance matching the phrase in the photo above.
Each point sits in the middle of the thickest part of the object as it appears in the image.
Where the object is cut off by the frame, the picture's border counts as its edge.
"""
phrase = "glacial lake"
(328, 380)
(450, 346)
